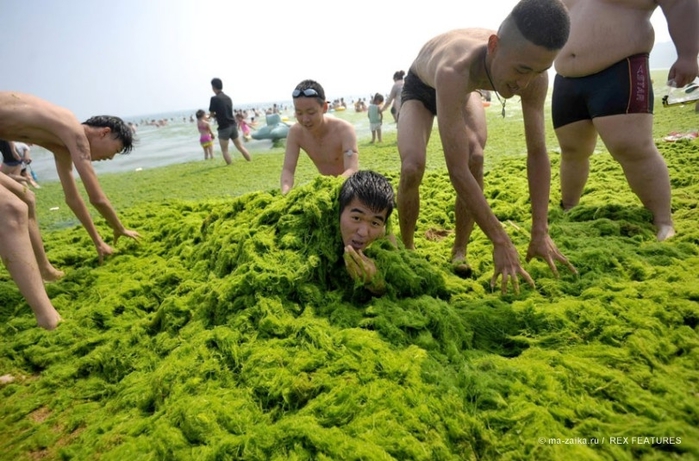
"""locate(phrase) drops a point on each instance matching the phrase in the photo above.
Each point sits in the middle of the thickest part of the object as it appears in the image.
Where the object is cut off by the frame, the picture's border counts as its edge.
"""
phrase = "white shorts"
(375, 126)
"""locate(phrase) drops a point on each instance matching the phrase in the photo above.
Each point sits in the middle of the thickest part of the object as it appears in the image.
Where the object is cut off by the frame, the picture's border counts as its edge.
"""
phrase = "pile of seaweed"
(233, 332)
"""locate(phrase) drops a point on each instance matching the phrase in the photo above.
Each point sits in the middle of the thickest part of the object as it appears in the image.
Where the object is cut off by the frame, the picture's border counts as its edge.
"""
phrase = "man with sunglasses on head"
(331, 143)
(28, 119)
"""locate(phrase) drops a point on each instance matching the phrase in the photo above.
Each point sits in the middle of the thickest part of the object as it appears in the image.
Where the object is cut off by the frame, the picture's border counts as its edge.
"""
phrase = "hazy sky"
(139, 57)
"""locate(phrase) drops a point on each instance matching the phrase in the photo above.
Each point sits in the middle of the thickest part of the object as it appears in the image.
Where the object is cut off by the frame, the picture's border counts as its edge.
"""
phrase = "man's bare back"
(26, 118)
(620, 28)
(462, 52)
(458, 49)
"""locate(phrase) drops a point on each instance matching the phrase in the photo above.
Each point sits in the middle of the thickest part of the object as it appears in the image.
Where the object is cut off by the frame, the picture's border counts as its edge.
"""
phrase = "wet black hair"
(312, 84)
(371, 188)
(544, 23)
(217, 83)
(399, 75)
(120, 130)
(200, 113)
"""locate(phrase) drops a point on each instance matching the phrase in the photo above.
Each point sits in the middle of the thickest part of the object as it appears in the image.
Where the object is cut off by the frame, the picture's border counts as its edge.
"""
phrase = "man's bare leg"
(577, 141)
(48, 272)
(476, 127)
(464, 223)
(464, 226)
(414, 127)
(18, 256)
(629, 138)
(224, 150)
(241, 148)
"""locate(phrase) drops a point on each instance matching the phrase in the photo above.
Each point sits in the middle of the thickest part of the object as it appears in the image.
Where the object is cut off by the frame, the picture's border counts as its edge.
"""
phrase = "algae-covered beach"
(227, 333)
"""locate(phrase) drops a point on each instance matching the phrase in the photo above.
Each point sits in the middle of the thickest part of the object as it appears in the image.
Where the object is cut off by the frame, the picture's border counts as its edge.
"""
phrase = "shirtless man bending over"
(29, 119)
(603, 87)
(442, 82)
(330, 142)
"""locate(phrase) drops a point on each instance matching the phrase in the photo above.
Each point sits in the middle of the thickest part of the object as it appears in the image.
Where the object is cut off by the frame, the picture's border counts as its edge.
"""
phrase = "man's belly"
(582, 65)
(602, 35)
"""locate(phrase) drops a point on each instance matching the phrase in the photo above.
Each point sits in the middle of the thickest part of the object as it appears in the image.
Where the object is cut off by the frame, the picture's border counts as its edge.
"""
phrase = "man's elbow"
(350, 170)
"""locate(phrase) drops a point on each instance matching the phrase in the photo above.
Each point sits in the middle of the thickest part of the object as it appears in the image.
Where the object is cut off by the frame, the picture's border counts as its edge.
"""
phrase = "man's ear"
(493, 42)
(104, 131)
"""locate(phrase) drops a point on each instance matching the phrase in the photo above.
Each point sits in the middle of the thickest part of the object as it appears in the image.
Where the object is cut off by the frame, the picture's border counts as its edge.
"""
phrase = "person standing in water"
(375, 114)
(394, 99)
(221, 107)
(206, 136)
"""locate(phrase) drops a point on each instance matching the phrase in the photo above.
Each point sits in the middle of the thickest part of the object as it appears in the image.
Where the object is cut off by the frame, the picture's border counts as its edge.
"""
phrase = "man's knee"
(412, 170)
(475, 163)
(15, 214)
(575, 153)
(630, 150)
(577, 140)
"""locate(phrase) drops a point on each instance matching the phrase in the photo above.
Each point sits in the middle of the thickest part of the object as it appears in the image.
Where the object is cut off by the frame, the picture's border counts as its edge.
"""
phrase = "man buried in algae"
(325, 237)
(366, 201)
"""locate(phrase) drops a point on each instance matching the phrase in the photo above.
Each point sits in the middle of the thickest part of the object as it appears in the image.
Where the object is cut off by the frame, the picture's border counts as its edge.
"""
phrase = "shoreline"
(177, 143)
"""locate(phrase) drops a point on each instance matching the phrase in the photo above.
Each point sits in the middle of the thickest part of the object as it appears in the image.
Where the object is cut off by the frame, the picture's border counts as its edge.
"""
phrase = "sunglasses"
(308, 92)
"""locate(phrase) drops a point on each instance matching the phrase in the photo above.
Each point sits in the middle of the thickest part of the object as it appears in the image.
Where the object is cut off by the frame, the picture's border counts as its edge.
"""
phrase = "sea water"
(178, 141)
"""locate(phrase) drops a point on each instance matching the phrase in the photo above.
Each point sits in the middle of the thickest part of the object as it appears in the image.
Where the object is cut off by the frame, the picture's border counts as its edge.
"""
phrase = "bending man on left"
(27, 118)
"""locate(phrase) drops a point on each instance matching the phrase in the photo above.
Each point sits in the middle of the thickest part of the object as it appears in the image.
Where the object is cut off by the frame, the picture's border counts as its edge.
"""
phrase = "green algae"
(233, 332)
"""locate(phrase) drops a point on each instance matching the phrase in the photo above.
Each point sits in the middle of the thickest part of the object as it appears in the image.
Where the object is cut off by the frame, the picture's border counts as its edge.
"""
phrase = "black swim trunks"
(623, 88)
(414, 88)
(7, 157)
(231, 132)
